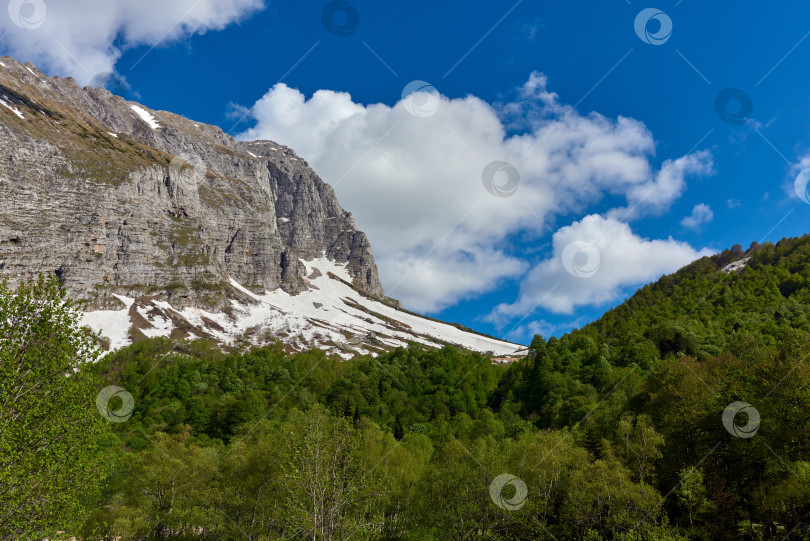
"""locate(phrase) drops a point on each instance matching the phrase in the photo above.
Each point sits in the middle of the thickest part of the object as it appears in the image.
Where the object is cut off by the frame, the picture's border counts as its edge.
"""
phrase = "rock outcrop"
(165, 227)
(116, 198)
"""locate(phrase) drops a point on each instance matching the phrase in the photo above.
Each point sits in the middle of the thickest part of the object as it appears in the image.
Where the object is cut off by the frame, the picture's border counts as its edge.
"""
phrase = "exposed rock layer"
(92, 192)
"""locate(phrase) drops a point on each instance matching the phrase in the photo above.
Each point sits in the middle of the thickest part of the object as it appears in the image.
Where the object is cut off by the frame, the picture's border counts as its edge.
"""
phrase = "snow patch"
(331, 310)
(113, 134)
(161, 326)
(145, 116)
(244, 290)
(113, 324)
(13, 109)
(329, 315)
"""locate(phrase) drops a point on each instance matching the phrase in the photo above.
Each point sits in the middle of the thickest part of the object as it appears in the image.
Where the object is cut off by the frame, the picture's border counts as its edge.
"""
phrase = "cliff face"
(118, 199)
(164, 227)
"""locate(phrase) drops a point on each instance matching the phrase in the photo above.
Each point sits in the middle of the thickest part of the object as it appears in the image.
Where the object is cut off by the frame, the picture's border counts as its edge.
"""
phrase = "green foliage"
(440, 393)
(638, 446)
(647, 384)
(691, 495)
(616, 430)
(264, 445)
(52, 438)
(602, 498)
(162, 492)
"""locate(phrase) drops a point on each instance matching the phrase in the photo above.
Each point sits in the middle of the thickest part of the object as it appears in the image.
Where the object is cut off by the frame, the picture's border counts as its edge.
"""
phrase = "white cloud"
(83, 38)
(656, 195)
(701, 214)
(415, 184)
(524, 332)
(593, 259)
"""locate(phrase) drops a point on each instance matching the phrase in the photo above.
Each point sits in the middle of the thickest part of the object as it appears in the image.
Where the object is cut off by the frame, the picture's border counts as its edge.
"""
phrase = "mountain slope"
(715, 306)
(329, 314)
(704, 371)
(164, 226)
(639, 409)
(106, 192)
(755, 290)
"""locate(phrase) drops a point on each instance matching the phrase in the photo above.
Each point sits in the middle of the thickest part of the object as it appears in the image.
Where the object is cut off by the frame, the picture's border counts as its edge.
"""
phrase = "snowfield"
(13, 109)
(330, 315)
(145, 116)
(113, 324)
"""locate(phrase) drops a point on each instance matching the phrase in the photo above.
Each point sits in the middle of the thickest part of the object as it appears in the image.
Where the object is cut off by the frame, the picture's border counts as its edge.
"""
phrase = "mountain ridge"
(190, 173)
(716, 305)
(149, 215)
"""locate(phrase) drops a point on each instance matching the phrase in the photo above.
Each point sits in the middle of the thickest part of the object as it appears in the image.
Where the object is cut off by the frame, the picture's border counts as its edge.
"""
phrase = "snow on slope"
(330, 315)
(114, 324)
(145, 116)
(13, 109)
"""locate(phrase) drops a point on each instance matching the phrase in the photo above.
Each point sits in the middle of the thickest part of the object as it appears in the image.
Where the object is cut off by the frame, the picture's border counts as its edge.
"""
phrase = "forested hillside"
(680, 414)
(670, 360)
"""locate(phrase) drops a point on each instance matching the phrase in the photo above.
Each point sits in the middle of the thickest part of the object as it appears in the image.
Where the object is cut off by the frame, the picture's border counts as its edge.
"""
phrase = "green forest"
(680, 414)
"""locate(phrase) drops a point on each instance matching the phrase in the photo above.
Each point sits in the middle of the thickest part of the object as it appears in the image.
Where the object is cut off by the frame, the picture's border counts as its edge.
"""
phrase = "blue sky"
(528, 65)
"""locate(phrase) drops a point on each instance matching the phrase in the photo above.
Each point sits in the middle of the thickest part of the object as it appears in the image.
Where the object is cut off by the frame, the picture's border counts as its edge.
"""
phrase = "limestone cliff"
(116, 198)
(165, 227)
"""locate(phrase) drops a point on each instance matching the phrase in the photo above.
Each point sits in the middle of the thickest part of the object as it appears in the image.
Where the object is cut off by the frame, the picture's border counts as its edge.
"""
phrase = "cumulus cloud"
(701, 214)
(526, 331)
(593, 259)
(414, 181)
(83, 38)
(656, 195)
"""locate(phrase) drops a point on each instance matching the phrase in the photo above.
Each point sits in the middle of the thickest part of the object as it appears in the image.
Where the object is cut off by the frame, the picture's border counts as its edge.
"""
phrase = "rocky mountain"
(162, 226)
